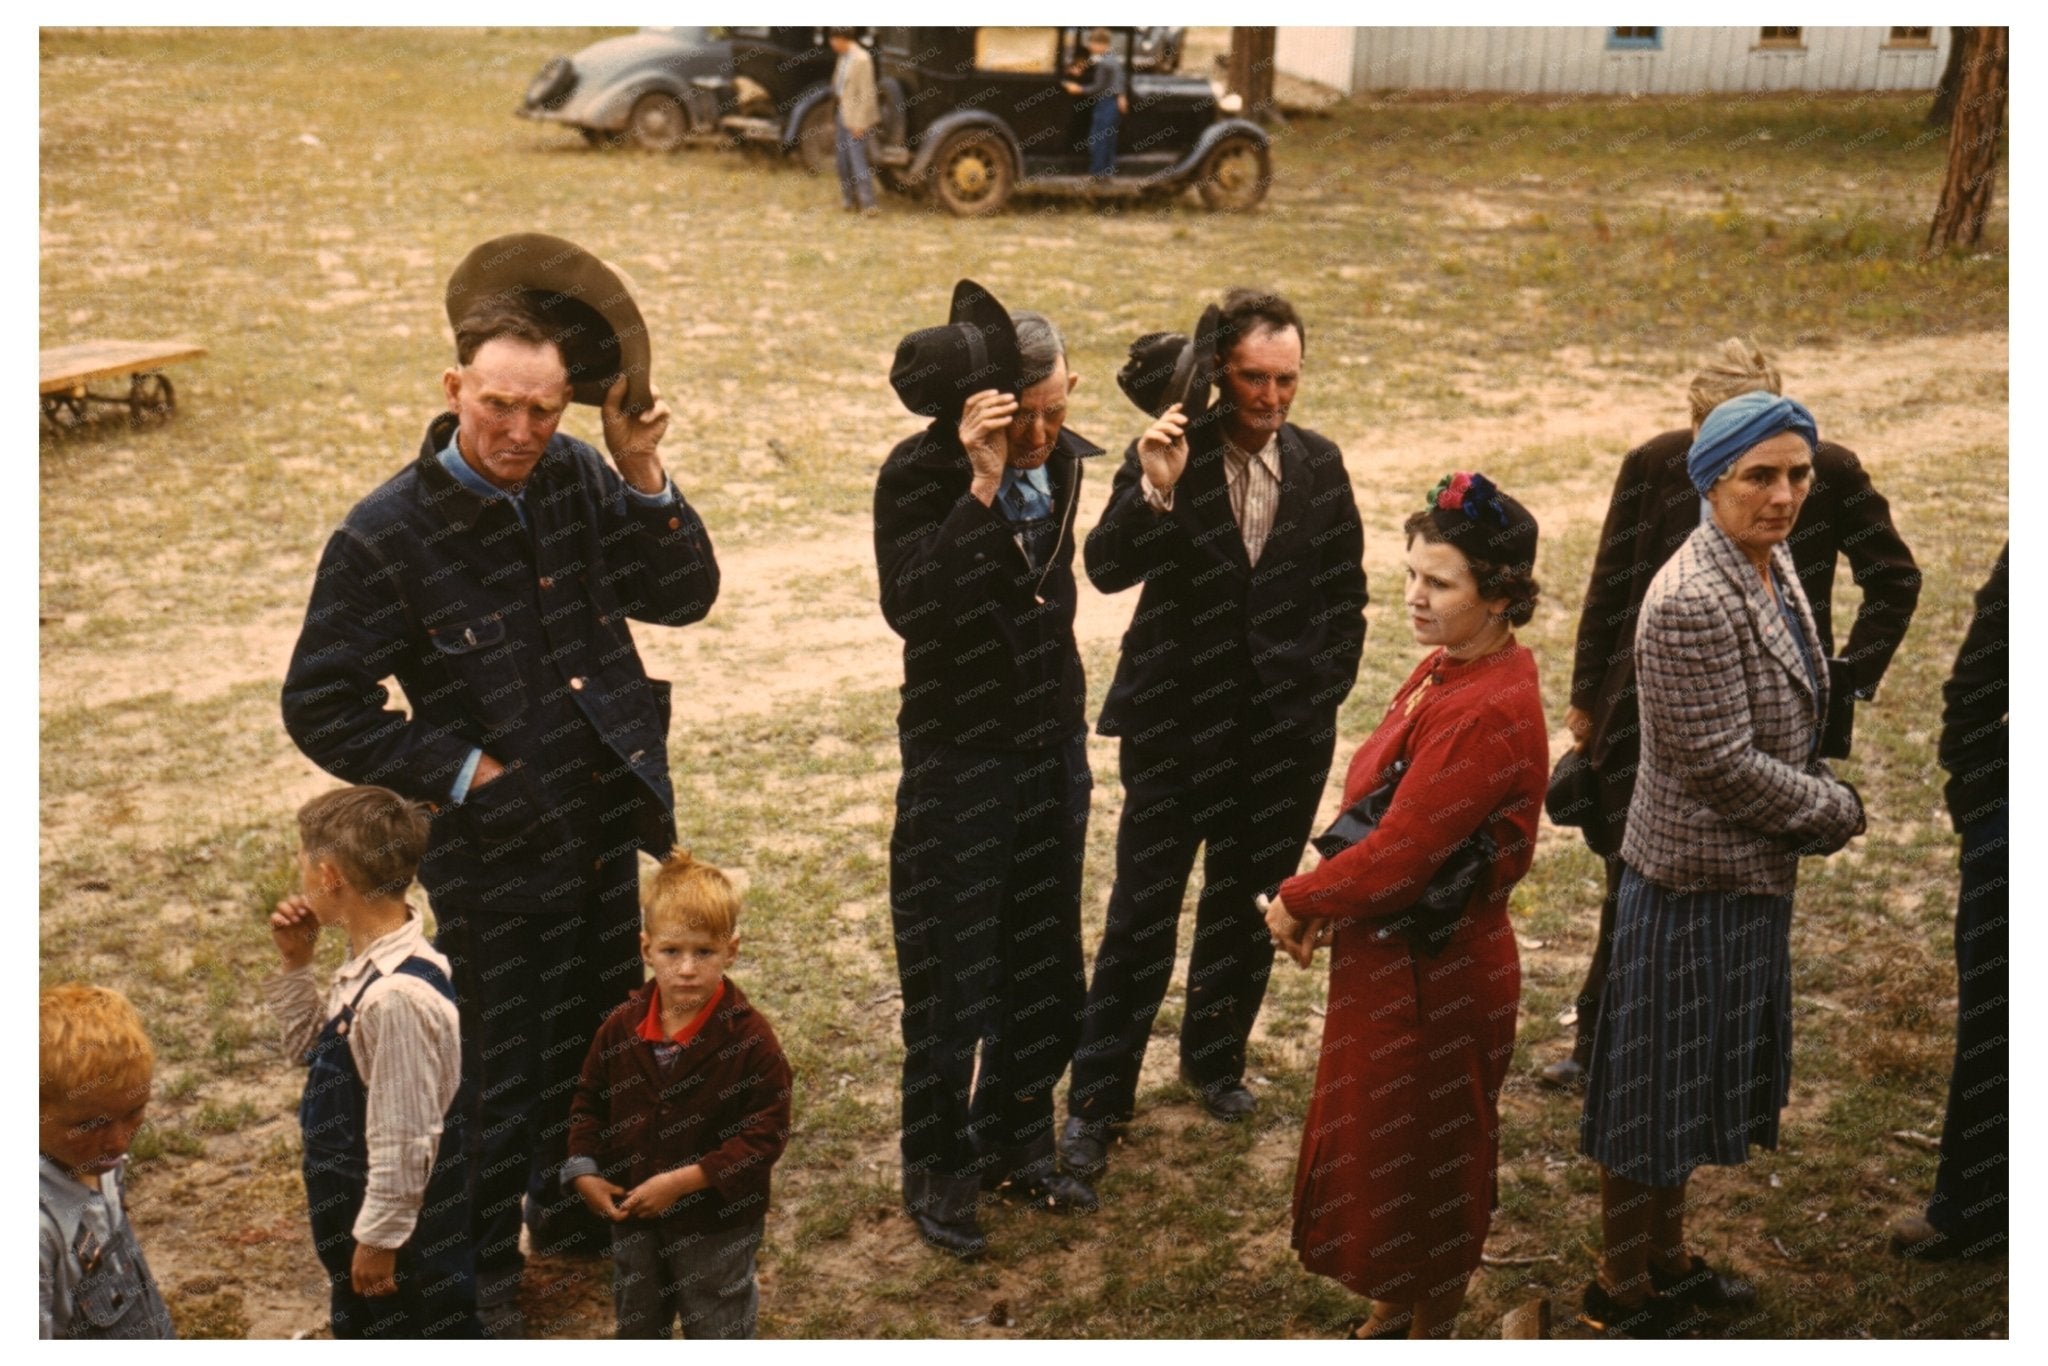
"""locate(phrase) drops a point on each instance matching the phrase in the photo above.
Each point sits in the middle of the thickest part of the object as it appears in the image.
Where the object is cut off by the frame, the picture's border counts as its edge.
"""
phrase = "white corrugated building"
(1615, 61)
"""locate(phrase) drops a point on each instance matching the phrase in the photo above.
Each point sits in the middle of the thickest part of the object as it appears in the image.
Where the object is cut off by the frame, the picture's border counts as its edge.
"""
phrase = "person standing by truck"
(856, 111)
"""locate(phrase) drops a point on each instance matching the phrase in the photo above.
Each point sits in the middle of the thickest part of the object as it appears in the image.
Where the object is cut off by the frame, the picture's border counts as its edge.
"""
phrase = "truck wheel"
(816, 139)
(972, 175)
(1235, 174)
(657, 123)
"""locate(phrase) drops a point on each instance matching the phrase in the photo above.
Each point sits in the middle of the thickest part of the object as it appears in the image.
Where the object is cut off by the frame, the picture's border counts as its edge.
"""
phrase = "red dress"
(1396, 1184)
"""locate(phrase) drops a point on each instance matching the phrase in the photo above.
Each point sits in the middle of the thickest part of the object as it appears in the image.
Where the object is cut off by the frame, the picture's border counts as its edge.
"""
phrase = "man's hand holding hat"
(634, 440)
(985, 433)
(1163, 449)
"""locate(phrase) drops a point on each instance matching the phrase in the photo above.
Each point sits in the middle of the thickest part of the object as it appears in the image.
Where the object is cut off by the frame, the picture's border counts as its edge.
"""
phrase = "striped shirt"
(1254, 484)
(407, 1046)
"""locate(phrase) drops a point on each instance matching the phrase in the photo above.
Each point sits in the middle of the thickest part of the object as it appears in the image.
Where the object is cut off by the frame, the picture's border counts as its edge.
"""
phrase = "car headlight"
(1232, 103)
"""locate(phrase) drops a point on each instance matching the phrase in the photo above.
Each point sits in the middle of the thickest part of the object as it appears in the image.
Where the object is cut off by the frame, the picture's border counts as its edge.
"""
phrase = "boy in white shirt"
(383, 1143)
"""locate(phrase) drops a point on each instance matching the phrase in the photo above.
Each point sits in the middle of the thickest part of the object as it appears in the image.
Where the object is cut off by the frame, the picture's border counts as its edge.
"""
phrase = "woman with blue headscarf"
(1692, 1050)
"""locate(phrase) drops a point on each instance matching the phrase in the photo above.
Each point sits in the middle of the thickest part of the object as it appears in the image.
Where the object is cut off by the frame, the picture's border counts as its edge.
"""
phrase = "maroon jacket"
(721, 1101)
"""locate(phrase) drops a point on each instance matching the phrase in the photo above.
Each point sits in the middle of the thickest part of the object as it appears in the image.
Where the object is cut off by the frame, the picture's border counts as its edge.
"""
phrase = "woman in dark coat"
(1395, 1189)
(1692, 1050)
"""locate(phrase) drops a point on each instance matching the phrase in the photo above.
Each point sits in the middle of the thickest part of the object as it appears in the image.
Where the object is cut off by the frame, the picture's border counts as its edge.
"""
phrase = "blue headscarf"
(1743, 421)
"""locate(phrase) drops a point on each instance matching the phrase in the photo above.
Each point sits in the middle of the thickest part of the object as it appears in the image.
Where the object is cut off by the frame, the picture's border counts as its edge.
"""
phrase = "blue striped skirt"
(1692, 1052)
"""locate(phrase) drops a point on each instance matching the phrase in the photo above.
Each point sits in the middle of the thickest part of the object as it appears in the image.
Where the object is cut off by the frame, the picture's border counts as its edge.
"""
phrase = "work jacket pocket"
(482, 671)
(503, 810)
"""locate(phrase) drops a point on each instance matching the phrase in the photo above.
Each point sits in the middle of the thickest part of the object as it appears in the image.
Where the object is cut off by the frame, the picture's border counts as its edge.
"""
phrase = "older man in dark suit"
(1653, 510)
(1243, 531)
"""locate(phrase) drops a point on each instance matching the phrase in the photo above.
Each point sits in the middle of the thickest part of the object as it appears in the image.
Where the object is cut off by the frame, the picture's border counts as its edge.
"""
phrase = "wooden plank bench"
(67, 370)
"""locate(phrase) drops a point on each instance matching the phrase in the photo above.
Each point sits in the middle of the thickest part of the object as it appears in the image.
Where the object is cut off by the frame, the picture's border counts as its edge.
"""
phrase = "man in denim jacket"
(493, 578)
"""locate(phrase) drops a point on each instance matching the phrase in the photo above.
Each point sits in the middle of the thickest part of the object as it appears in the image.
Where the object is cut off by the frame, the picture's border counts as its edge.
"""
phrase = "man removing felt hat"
(974, 544)
(493, 576)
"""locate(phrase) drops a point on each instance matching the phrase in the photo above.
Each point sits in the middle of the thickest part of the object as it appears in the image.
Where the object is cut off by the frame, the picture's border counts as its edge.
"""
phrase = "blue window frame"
(1635, 39)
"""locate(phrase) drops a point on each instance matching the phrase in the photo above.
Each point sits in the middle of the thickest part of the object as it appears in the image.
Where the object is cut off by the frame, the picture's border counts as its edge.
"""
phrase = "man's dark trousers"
(1250, 801)
(533, 981)
(1970, 1187)
(985, 893)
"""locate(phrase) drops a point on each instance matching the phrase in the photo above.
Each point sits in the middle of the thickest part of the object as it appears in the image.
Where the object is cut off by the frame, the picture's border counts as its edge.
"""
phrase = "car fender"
(614, 72)
(608, 108)
(946, 125)
(1213, 134)
(792, 125)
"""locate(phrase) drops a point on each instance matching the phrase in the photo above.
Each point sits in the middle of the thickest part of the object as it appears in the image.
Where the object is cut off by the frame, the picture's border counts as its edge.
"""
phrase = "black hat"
(586, 304)
(1572, 800)
(1485, 524)
(1166, 368)
(936, 368)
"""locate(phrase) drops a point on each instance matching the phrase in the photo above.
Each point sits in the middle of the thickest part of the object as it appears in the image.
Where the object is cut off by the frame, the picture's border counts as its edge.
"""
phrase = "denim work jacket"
(507, 637)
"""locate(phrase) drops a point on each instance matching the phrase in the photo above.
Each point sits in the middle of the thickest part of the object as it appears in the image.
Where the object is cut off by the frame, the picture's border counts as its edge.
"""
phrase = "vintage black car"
(661, 88)
(971, 114)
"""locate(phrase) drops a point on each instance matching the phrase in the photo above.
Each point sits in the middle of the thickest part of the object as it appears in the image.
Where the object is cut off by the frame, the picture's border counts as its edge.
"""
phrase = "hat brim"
(1201, 358)
(974, 307)
(585, 304)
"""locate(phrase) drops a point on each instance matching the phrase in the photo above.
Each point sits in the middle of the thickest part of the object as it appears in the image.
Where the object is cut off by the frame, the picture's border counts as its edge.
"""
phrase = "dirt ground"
(256, 1271)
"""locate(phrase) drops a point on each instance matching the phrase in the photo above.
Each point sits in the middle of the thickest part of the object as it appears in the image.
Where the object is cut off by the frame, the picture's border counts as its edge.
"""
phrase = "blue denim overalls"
(115, 1296)
(436, 1276)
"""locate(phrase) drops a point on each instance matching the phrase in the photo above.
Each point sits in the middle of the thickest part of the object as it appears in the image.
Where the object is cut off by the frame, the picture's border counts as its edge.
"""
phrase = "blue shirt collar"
(1035, 482)
(452, 461)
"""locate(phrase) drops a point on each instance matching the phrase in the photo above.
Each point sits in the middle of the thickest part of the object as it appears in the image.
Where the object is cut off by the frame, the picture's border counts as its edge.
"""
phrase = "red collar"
(649, 1027)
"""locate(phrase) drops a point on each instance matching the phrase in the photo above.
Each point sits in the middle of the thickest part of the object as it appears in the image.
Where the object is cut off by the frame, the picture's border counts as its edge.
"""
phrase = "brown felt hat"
(585, 303)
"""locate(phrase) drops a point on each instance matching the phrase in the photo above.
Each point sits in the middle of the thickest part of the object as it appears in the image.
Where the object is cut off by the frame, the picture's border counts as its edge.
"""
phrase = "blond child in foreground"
(94, 1081)
(681, 1112)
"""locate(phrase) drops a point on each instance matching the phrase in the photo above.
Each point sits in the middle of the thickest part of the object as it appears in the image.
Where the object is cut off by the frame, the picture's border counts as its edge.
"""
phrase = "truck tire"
(816, 139)
(1235, 174)
(657, 123)
(972, 175)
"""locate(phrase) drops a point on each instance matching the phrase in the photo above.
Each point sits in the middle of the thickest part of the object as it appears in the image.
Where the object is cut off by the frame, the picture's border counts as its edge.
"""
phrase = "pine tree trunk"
(1973, 145)
(1944, 107)
(1251, 70)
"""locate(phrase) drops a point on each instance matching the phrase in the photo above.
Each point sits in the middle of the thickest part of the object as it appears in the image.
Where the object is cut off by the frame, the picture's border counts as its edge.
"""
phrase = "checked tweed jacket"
(1729, 792)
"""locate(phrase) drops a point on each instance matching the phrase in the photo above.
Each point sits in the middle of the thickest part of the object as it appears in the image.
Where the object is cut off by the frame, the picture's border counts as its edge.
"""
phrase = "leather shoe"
(1654, 1317)
(1056, 1192)
(943, 1208)
(1566, 1074)
(1084, 1149)
(1699, 1286)
(961, 1237)
(1229, 1101)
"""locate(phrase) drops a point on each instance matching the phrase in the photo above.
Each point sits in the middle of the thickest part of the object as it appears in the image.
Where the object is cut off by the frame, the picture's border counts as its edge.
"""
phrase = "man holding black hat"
(974, 545)
(493, 578)
(1242, 529)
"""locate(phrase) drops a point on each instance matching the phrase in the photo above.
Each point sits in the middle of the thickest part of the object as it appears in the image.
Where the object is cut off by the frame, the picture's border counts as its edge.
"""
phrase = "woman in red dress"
(1396, 1184)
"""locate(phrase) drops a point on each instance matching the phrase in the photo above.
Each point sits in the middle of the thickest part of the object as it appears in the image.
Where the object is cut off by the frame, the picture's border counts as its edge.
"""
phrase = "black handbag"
(1429, 922)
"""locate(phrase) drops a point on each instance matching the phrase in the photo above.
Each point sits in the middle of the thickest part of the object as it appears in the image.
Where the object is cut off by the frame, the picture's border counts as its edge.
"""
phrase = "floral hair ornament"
(1471, 494)
(1470, 512)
